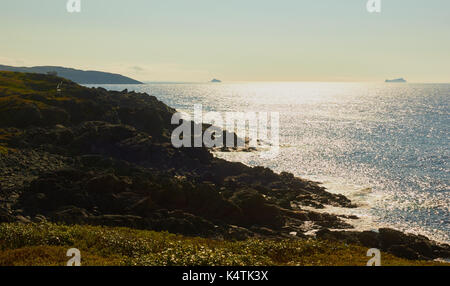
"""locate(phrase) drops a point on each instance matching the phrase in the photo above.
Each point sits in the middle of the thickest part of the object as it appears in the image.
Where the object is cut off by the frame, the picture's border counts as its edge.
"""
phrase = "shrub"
(47, 243)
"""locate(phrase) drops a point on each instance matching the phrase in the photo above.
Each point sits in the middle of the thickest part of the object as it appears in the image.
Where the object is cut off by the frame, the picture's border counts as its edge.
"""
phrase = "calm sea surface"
(385, 146)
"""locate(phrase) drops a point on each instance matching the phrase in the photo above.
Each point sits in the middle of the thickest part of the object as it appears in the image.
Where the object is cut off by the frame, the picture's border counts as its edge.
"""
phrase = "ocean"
(385, 146)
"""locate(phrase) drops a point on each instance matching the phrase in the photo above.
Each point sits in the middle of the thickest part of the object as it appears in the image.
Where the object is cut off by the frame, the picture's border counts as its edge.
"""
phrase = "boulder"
(237, 233)
(19, 114)
(389, 237)
(106, 183)
(344, 236)
(403, 252)
(256, 211)
(423, 247)
(369, 239)
(70, 214)
(145, 207)
(118, 220)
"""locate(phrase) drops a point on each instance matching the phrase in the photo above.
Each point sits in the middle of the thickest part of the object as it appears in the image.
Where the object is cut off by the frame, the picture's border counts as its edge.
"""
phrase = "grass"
(49, 256)
(4, 150)
(46, 244)
(5, 137)
(13, 83)
(31, 99)
(18, 89)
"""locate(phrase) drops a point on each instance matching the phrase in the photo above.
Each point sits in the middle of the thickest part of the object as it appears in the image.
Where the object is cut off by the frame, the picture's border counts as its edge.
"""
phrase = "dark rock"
(403, 252)
(182, 223)
(349, 216)
(54, 115)
(369, 239)
(20, 114)
(263, 231)
(107, 183)
(423, 247)
(237, 233)
(389, 237)
(117, 220)
(70, 214)
(345, 236)
(145, 207)
(256, 211)
(403, 245)
(6, 216)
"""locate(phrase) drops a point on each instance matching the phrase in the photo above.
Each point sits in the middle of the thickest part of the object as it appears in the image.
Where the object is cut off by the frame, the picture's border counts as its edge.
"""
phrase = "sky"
(233, 40)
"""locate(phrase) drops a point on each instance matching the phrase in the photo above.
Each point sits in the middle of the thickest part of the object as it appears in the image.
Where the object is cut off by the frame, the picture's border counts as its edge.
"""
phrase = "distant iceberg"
(216, 80)
(396, 80)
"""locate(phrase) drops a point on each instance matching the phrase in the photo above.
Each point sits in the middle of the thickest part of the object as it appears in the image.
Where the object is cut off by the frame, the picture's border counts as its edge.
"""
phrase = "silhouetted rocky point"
(91, 156)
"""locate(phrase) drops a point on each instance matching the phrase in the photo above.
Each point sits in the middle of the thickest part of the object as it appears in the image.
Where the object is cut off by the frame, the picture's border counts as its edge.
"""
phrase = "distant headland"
(78, 76)
(396, 80)
(216, 80)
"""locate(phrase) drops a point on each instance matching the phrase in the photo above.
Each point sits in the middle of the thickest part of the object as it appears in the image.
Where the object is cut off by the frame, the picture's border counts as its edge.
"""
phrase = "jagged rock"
(369, 238)
(255, 209)
(403, 245)
(403, 251)
(263, 231)
(237, 233)
(145, 207)
(70, 214)
(19, 114)
(389, 237)
(117, 220)
(423, 247)
(346, 236)
(182, 223)
(107, 183)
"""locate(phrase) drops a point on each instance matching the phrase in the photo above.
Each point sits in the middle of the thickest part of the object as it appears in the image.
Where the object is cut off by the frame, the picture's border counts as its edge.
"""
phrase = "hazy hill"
(78, 76)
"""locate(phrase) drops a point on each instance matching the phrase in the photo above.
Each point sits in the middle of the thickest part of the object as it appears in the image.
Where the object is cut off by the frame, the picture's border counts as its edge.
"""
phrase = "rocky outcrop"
(403, 245)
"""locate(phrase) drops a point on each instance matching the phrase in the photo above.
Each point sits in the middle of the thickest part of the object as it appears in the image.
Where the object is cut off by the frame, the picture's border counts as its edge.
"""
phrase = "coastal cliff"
(88, 156)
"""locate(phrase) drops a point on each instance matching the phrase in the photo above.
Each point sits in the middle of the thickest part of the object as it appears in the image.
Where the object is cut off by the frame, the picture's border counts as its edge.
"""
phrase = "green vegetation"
(3, 150)
(46, 244)
(5, 137)
(26, 84)
(19, 89)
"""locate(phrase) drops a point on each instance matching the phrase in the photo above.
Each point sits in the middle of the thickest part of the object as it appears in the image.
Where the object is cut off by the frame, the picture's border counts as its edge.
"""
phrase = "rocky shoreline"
(92, 156)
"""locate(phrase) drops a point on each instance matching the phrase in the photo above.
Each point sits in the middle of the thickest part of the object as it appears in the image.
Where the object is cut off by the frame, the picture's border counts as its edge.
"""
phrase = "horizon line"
(289, 81)
(105, 70)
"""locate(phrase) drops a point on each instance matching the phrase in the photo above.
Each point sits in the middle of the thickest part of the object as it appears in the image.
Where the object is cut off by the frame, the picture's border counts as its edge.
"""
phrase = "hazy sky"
(234, 40)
